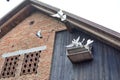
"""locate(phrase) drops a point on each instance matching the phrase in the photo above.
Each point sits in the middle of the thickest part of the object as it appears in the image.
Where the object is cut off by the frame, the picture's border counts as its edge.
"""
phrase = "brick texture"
(23, 36)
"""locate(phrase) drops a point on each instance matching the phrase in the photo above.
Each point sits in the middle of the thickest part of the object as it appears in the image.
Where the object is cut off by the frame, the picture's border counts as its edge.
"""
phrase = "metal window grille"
(30, 63)
(9, 67)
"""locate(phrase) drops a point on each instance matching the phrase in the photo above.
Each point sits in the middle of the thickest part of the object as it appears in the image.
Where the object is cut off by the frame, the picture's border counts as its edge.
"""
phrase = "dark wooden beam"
(68, 25)
(15, 20)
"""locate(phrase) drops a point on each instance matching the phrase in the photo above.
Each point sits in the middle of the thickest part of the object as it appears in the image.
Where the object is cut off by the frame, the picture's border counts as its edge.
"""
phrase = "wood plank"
(104, 66)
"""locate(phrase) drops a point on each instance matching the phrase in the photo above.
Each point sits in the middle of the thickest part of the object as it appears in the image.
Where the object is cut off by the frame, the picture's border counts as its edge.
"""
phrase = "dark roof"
(100, 32)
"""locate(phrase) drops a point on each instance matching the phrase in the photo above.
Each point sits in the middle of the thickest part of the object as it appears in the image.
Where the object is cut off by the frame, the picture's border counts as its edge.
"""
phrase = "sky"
(103, 12)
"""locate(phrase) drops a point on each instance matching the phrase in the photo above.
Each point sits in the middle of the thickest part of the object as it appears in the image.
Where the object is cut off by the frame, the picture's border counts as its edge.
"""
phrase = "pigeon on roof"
(60, 15)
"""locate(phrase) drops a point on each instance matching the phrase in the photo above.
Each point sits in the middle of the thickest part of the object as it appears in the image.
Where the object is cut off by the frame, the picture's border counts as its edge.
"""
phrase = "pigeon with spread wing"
(60, 15)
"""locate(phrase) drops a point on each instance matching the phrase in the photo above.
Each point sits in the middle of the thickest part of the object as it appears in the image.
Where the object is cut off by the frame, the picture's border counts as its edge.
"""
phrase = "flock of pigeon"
(77, 43)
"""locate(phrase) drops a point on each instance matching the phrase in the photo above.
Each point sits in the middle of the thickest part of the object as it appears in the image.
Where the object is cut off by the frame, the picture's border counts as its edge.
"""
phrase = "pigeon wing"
(70, 45)
(60, 13)
(83, 40)
(63, 18)
(78, 39)
(89, 41)
(56, 15)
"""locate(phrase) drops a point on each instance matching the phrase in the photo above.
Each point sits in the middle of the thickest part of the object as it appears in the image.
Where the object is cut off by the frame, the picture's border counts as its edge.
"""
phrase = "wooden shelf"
(78, 54)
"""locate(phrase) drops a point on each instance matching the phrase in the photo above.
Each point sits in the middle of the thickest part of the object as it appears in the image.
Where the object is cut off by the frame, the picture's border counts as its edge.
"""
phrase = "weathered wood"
(105, 65)
(69, 26)
(78, 54)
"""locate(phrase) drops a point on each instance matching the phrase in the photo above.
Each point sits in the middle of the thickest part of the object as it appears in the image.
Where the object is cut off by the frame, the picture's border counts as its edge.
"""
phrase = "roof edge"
(13, 11)
(104, 34)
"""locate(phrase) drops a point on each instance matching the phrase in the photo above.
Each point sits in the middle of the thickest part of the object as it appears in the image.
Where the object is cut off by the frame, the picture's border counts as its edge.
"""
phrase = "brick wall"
(23, 36)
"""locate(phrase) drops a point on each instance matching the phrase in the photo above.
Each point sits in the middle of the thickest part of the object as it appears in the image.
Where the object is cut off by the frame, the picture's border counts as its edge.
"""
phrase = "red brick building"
(18, 37)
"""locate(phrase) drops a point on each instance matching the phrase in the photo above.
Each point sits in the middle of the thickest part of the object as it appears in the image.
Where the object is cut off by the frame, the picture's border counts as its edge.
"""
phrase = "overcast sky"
(103, 12)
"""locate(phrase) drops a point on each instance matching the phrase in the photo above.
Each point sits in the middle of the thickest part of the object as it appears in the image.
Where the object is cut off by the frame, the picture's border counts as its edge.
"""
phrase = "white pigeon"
(89, 41)
(81, 43)
(74, 43)
(39, 34)
(60, 15)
